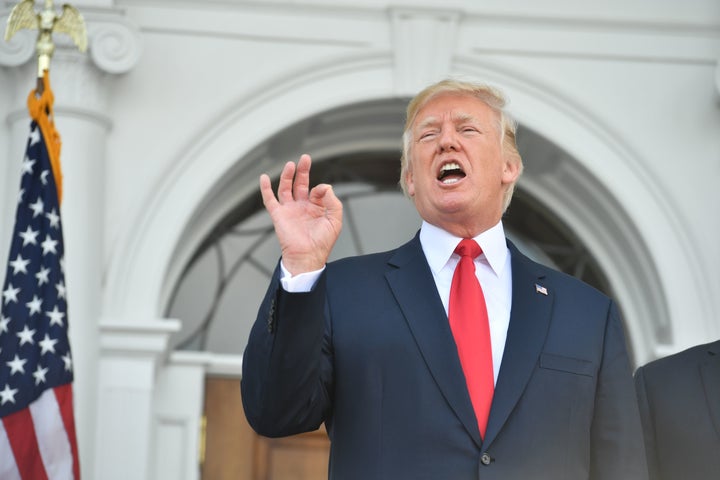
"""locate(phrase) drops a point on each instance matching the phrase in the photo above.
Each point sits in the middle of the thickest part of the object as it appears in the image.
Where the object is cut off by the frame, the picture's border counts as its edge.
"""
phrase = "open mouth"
(450, 173)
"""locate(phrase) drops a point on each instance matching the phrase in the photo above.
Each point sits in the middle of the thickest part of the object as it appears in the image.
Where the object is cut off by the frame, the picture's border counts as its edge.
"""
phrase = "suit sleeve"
(618, 449)
(287, 364)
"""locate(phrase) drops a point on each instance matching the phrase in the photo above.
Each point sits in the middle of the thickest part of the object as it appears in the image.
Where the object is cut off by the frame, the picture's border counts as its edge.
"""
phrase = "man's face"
(457, 175)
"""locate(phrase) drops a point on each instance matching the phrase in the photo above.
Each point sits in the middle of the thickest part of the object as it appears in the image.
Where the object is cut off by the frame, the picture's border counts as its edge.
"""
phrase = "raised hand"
(307, 222)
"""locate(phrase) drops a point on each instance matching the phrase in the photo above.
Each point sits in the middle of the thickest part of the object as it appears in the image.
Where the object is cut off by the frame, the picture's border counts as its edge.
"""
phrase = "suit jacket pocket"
(567, 364)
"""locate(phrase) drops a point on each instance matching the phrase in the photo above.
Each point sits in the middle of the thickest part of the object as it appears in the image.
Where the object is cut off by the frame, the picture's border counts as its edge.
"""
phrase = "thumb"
(324, 196)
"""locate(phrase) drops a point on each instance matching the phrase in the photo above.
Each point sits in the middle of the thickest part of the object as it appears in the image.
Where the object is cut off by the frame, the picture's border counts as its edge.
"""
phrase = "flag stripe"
(8, 469)
(64, 395)
(52, 440)
(23, 441)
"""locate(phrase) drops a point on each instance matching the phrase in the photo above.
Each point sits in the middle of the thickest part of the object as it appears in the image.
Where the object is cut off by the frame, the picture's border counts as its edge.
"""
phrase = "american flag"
(37, 433)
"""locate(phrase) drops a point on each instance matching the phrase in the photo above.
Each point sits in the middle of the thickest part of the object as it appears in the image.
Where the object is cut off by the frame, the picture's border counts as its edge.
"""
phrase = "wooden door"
(233, 451)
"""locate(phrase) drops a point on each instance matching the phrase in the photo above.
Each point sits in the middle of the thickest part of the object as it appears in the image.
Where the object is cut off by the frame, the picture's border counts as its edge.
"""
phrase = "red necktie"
(469, 324)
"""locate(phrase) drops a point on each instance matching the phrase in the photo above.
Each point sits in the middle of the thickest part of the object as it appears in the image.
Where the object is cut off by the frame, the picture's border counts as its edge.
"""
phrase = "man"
(679, 398)
(374, 346)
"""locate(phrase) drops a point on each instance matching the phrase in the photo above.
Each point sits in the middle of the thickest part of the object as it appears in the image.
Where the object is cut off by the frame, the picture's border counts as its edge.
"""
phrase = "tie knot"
(468, 248)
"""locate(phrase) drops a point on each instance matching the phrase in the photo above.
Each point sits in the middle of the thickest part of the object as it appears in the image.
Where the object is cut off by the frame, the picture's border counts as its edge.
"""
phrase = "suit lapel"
(411, 281)
(529, 320)
(710, 372)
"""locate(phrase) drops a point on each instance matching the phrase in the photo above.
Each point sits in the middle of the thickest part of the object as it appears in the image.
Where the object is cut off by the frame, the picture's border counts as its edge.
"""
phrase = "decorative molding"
(424, 42)
(19, 50)
(211, 363)
(149, 338)
(115, 43)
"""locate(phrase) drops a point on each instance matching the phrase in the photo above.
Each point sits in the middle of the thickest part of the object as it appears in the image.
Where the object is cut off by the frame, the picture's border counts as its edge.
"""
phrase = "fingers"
(268, 196)
(294, 184)
(285, 186)
(301, 186)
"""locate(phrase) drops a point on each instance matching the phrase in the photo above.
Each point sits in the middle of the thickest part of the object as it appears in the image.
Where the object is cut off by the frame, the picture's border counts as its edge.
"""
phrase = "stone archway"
(555, 182)
(185, 206)
(218, 169)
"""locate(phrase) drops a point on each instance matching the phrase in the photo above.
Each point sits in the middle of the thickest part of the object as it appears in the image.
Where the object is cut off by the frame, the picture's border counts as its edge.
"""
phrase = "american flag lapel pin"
(540, 289)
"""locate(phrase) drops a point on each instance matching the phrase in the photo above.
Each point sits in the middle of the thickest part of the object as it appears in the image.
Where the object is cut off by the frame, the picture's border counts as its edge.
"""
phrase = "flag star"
(34, 136)
(68, 362)
(60, 289)
(27, 165)
(39, 374)
(34, 305)
(19, 264)
(56, 316)
(26, 336)
(47, 344)
(7, 394)
(29, 236)
(17, 365)
(21, 194)
(37, 207)
(43, 276)
(48, 245)
(54, 218)
(10, 294)
(43, 176)
(4, 321)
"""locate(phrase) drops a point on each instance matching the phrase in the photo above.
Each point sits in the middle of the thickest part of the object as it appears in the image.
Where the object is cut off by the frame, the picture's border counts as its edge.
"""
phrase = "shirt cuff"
(301, 283)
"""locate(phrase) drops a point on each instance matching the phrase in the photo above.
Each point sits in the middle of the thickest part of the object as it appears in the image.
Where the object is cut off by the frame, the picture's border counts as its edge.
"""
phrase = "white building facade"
(179, 106)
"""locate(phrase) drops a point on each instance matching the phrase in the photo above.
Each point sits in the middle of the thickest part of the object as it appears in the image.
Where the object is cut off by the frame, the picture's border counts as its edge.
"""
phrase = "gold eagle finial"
(47, 22)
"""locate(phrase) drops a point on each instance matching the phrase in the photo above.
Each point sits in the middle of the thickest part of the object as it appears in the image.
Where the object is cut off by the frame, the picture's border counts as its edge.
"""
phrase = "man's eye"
(426, 135)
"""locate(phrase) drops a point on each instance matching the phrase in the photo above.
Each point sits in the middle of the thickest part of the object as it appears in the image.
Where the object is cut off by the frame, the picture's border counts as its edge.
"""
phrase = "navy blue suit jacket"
(370, 352)
(679, 398)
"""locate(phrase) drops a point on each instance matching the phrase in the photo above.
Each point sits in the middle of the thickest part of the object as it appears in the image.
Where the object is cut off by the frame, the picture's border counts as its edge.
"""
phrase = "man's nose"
(448, 140)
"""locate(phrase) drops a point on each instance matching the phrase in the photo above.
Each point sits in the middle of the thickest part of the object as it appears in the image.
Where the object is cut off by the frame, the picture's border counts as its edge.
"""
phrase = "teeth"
(450, 166)
(447, 171)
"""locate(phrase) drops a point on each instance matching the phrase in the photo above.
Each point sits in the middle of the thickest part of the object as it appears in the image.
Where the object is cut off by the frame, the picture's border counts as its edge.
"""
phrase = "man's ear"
(410, 186)
(511, 171)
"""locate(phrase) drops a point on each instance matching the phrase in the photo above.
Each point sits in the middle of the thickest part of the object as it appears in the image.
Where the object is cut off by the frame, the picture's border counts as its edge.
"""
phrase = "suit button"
(485, 459)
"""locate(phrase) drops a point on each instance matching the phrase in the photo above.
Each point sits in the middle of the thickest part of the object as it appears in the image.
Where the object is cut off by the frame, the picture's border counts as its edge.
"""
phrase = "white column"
(130, 356)
(81, 87)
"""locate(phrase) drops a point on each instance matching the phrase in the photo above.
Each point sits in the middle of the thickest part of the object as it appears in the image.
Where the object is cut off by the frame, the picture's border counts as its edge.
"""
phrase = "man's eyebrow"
(427, 122)
(463, 117)
(460, 117)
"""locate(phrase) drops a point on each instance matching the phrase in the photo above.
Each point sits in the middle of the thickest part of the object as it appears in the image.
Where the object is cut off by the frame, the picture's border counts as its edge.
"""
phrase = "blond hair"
(491, 96)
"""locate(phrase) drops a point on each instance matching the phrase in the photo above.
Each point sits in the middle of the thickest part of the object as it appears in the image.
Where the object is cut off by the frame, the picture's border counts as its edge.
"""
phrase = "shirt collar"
(439, 245)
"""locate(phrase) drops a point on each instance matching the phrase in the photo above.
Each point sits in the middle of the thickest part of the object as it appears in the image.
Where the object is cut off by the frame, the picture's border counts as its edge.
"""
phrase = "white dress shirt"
(492, 269)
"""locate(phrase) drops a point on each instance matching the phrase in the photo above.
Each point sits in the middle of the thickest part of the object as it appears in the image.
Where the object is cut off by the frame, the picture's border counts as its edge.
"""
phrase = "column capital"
(114, 42)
